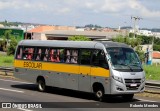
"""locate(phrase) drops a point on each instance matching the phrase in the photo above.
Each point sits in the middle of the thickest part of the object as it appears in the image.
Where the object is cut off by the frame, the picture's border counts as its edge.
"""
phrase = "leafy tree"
(140, 53)
(78, 38)
(12, 47)
(5, 39)
(156, 47)
(133, 42)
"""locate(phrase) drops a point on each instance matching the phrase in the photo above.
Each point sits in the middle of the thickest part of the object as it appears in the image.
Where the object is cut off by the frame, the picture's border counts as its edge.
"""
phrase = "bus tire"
(41, 85)
(128, 97)
(98, 92)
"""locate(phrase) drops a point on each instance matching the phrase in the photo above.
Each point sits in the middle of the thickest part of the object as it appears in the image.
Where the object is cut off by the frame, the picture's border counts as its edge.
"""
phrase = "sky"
(106, 13)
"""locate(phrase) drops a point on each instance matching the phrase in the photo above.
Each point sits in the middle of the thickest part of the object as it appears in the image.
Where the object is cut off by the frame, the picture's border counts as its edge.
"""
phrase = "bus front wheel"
(41, 85)
(99, 93)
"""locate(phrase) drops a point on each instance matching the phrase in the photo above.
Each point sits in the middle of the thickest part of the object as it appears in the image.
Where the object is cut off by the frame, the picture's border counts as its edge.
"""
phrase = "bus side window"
(28, 53)
(71, 56)
(68, 54)
(54, 55)
(74, 56)
(38, 54)
(85, 56)
(99, 59)
(19, 53)
(61, 55)
(45, 54)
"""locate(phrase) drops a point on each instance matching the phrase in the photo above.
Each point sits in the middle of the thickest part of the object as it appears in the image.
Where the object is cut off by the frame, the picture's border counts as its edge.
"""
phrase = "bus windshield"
(124, 59)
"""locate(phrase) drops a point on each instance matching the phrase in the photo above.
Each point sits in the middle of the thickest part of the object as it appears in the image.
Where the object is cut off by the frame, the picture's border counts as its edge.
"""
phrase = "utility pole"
(135, 21)
(26, 32)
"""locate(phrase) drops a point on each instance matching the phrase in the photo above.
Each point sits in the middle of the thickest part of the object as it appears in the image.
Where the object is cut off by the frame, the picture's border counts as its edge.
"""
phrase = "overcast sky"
(111, 13)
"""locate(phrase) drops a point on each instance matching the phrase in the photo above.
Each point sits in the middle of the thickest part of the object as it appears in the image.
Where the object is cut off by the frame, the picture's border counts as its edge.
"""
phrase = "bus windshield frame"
(124, 59)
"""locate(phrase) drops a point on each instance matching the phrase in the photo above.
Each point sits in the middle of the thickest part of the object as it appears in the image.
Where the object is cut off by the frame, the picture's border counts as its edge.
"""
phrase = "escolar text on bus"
(33, 65)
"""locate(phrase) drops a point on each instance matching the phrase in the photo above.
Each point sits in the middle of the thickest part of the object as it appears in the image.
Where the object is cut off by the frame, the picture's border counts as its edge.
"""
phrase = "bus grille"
(129, 83)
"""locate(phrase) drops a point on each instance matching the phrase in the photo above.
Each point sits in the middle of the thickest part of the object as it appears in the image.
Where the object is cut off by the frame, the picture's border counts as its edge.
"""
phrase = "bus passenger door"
(85, 71)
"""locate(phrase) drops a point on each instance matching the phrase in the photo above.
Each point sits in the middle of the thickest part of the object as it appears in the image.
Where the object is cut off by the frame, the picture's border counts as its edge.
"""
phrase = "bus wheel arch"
(41, 83)
(98, 90)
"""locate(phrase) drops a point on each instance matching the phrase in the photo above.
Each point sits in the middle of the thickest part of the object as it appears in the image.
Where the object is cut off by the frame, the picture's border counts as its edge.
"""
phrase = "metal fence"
(7, 70)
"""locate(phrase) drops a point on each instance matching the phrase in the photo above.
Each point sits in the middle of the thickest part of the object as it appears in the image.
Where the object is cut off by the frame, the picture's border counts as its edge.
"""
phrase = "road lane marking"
(147, 100)
(15, 81)
(11, 90)
(24, 109)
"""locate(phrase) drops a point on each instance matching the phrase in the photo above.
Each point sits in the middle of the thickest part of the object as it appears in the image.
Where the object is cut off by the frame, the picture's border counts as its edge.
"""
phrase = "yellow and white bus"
(103, 68)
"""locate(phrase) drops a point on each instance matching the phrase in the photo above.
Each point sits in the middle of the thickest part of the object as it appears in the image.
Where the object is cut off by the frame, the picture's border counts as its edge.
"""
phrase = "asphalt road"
(20, 91)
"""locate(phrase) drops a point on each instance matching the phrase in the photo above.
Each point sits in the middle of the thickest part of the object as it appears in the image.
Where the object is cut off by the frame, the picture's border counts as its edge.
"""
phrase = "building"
(156, 57)
(16, 32)
(64, 32)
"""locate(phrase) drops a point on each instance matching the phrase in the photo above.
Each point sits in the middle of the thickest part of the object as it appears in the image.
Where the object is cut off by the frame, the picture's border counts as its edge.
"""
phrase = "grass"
(6, 61)
(152, 72)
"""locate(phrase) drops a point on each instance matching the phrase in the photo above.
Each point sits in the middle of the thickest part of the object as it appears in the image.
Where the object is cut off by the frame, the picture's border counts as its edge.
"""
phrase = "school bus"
(102, 68)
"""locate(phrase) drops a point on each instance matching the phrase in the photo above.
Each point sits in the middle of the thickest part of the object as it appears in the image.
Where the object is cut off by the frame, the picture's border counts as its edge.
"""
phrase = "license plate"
(133, 85)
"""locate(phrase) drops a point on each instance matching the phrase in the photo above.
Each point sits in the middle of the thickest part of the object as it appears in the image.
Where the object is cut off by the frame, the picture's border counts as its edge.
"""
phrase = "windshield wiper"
(137, 66)
(126, 65)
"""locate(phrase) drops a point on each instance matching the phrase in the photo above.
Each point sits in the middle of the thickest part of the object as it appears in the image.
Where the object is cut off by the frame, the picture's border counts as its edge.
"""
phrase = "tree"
(12, 47)
(5, 39)
(78, 38)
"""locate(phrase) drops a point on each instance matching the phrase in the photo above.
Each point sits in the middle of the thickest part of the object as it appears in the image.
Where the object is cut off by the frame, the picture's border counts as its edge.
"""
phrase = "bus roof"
(70, 44)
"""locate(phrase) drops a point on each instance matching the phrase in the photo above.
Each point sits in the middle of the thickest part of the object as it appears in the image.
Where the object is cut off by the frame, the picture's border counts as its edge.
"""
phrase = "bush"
(7, 61)
(78, 38)
(156, 47)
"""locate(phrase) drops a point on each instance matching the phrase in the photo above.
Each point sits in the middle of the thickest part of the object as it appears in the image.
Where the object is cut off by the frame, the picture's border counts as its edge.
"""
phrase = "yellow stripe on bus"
(60, 67)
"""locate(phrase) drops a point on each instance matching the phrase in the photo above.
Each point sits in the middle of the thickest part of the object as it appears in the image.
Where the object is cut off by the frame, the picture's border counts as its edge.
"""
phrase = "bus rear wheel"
(41, 85)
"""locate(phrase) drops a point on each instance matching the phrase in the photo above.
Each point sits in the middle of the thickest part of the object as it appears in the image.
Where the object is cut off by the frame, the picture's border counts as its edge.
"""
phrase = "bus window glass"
(98, 59)
(55, 55)
(38, 54)
(19, 53)
(45, 54)
(124, 58)
(28, 53)
(85, 57)
(71, 56)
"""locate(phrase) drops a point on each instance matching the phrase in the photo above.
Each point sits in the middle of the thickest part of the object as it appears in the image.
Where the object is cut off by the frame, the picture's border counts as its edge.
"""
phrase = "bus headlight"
(117, 78)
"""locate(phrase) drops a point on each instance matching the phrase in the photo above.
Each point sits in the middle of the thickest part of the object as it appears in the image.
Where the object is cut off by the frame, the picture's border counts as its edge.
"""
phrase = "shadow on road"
(72, 93)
